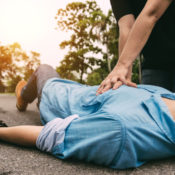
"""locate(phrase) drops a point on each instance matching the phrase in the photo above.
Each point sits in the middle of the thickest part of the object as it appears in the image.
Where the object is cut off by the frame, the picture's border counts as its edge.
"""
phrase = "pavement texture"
(15, 160)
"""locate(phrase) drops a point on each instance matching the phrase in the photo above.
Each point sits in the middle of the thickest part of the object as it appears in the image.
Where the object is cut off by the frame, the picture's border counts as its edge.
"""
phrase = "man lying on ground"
(121, 128)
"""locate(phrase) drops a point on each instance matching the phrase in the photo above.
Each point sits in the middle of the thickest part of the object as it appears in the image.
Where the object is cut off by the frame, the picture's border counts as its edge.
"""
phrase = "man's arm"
(125, 25)
(21, 135)
(137, 39)
(142, 29)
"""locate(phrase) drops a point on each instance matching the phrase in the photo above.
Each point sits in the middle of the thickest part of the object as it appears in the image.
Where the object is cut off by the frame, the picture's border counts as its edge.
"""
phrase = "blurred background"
(78, 38)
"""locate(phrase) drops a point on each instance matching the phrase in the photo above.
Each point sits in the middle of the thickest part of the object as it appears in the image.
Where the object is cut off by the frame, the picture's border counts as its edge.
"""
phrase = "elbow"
(152, 15)
(150, 19)
(125, 24)
(124, 30)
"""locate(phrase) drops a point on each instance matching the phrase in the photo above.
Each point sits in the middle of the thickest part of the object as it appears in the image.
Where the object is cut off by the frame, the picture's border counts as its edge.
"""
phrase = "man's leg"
(157, 77)
(37, 81)
(35, 84)
(21, 135)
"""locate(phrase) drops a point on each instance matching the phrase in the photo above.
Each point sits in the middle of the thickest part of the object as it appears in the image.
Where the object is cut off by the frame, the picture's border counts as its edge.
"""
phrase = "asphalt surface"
(15, 160)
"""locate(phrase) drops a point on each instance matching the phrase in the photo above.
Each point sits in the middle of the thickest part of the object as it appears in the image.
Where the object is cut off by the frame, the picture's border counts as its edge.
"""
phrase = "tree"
(94, 78)
(16, 64)
(79, 18)
(108, 35)
(93, 45)
(5, 61)
(31, 64)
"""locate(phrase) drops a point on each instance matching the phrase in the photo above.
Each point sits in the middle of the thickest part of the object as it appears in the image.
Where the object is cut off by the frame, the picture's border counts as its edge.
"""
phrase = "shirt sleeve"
(121, 8)
(53, 133)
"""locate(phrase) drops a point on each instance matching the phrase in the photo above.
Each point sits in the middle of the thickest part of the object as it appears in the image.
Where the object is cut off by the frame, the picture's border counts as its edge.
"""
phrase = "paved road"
(16, 160)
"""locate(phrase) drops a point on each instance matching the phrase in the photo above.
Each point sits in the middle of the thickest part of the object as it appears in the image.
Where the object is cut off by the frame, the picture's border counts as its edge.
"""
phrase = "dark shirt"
(159, 51)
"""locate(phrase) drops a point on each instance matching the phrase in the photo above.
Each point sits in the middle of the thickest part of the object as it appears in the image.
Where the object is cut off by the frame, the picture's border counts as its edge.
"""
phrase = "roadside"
(16, 160)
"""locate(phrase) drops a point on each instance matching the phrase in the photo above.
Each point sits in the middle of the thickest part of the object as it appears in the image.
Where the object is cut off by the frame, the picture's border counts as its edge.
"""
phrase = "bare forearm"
(125, 26)
(21, 135)
(141, 30)
(136, 40)
(122, 42)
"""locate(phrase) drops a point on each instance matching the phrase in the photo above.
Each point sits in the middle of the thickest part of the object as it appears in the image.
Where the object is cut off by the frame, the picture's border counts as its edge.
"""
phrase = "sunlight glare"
(22, 21)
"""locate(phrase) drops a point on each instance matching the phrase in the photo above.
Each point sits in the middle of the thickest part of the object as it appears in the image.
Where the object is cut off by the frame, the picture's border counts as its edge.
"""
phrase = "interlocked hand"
(115, 79)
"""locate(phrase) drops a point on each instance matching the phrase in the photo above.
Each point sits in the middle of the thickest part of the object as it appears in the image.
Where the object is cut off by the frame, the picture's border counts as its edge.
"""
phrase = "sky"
(32, 24)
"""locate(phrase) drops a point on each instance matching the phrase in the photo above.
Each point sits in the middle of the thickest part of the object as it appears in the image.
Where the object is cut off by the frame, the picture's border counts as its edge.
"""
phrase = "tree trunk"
(108, 60)
(140, 71)
(81, 74)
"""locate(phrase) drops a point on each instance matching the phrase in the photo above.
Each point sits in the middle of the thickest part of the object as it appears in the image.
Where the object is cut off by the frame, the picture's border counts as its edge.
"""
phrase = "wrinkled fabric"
(55, 131)
(121, 128)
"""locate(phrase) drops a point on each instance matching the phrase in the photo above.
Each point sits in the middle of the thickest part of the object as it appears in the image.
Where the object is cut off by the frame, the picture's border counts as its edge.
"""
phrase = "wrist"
(122, 64)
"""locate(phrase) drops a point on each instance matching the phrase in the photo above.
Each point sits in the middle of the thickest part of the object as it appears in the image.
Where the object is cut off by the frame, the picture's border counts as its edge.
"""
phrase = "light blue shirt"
(121, 128)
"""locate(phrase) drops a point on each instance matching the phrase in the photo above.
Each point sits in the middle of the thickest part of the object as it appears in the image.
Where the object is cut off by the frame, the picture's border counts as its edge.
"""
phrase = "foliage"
(96, 77)
(31, 64)
(85, 21)
(135, 71)
(16, 64)
(5, 60)
(93, 45)
(66, 73)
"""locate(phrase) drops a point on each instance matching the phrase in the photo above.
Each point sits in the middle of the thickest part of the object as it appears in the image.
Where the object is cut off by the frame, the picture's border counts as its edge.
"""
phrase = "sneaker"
(2, 124)
(20, 103)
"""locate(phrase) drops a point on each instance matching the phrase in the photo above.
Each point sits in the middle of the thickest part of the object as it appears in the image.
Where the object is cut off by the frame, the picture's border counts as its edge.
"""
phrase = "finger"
(117, 85)
(102, 89)
(101, 86)
(114, 80)
(130, 83)
(99, 90)
(123, 80)
(106, 88)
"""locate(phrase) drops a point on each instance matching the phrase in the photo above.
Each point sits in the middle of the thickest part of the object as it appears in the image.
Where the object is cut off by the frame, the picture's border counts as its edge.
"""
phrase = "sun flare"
(21, 20)
(31, 23)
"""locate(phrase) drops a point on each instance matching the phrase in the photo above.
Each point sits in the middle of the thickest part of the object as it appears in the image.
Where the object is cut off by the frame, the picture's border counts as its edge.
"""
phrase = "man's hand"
(120, 75)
